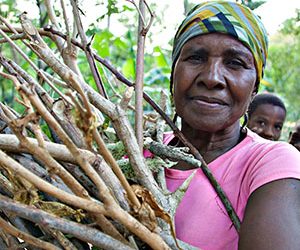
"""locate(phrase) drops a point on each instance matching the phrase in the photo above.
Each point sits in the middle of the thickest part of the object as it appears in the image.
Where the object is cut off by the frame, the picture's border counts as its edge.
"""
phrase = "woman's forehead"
(217, 41)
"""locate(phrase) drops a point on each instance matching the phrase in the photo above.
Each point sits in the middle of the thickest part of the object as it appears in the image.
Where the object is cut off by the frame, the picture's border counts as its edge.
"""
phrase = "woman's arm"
(272, 217)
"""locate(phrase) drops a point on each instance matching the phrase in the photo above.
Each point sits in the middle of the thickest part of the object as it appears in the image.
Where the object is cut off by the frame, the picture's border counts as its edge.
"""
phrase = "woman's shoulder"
(252, 145)
(255, 151)
(266, 161)
(264, 145)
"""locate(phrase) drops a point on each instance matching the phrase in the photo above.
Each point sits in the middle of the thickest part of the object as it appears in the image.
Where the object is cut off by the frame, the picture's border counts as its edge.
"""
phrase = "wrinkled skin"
(214, 82)
(267, 121)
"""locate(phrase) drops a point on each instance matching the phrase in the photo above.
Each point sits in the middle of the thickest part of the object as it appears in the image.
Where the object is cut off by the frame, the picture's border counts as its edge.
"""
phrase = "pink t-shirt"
(201, 219)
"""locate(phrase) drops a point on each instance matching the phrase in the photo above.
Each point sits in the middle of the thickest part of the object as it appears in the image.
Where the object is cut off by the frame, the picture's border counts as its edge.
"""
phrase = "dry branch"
(40, 217)
(26, 237)
(78, 171)
(58, 151)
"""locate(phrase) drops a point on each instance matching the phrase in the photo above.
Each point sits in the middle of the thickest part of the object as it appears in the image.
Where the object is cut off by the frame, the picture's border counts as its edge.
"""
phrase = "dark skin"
(214, 82)
(272, 217)
(267, 121)
(294, 137)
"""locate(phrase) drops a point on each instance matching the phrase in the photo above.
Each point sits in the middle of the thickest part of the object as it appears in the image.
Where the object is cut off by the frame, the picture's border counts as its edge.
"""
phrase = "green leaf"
(128, 68)
(160, 57)
(120, 43)
(102, 43)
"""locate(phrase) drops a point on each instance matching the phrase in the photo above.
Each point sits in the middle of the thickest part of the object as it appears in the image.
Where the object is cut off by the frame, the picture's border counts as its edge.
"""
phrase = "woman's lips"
(208, 101)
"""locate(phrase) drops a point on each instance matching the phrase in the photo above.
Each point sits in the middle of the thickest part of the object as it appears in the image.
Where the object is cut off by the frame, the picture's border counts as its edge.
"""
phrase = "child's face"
(267, 121)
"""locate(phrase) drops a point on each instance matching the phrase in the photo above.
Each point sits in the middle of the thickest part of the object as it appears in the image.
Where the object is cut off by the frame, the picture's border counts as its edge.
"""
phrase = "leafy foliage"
(283, 65)
(252, 4)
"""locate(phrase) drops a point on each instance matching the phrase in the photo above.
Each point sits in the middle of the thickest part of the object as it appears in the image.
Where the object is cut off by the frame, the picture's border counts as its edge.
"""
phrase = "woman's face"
(214, 79)
(267, 121)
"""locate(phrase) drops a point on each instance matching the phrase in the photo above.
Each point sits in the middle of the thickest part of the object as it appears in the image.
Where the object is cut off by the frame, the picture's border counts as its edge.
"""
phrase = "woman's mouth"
(208, 101)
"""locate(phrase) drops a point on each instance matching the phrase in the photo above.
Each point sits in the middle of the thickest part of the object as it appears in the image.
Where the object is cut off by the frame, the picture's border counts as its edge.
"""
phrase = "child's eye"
(261, 123)
(278, 127)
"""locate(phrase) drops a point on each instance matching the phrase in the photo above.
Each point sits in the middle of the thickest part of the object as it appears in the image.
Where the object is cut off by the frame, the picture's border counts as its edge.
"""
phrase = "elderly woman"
(219, 55)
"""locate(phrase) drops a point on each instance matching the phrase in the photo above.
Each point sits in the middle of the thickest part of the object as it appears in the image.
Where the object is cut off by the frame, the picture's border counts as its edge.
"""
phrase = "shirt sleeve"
(278, 161)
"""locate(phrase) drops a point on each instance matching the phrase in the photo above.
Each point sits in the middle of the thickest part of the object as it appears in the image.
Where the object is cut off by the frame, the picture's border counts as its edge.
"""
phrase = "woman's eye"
(196, 58)
(236, 63)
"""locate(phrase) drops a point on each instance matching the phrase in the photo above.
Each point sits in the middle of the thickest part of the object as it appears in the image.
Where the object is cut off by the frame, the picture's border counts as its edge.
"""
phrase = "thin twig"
(140, 11)
(124, 103)
(33, 65)
(14, 37)
(61, 238)
(112, 162)
(91, 235)
(60, 152)
(51, 14)
(87, 50)
(139, 78)
(152, 17)
(26, 237)
(62, 3)
(44, 156)
(46, 187)
(55, 80)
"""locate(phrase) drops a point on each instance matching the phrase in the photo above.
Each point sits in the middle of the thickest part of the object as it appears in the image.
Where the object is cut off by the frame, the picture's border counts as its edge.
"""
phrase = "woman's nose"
(213, 75)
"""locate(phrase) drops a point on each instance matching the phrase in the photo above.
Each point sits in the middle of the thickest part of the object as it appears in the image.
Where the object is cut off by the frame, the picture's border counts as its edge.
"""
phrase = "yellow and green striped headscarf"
(225, 17)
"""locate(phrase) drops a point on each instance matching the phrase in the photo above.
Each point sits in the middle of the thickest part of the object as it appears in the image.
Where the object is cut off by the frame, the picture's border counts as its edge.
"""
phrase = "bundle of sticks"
(61, 185)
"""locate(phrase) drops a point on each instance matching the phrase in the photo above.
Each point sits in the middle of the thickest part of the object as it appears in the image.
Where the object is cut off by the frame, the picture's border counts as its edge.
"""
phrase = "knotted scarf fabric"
(225, 17)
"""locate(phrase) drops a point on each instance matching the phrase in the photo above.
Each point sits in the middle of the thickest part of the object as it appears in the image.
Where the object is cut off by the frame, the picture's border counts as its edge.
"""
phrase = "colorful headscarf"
(226, 17)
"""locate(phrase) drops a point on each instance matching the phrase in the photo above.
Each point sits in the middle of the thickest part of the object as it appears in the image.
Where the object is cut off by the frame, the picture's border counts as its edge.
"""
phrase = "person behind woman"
(267, 113)
(294, 136)
(219, 54)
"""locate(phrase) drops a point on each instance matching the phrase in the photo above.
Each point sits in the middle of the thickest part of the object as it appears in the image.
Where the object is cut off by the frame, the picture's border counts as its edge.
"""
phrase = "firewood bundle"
(61, 181)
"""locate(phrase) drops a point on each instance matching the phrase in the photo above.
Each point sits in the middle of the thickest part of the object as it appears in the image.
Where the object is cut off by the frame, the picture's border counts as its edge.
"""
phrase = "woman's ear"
(254, 91)
(253, 94)
(256, 87)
